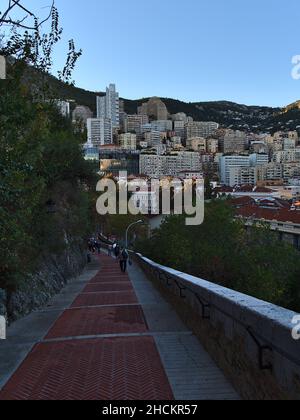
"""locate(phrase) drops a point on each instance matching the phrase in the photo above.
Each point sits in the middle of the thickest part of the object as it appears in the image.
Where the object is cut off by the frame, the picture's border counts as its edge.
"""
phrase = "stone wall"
(250, 340)
(36, 289)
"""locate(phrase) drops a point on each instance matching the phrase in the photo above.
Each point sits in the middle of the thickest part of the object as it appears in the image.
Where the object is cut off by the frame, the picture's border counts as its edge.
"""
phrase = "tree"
(27, 42)
(10, 16)
(41, 159)
(208, 188)
(223, 252)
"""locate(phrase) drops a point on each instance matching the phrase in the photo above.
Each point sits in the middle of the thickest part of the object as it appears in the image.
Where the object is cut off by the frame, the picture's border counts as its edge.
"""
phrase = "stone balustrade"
(249, 339)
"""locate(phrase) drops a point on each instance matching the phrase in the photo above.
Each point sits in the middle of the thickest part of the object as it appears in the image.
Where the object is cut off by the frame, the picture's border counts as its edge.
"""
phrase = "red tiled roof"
(263, 190)
(251, 188)
(243, 201)
(223, 189)
(244, 188)
(280, 215)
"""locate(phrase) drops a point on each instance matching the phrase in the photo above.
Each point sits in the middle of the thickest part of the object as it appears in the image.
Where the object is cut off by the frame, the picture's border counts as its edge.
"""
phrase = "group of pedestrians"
(94, 245)
(115, 250)
(120, 254)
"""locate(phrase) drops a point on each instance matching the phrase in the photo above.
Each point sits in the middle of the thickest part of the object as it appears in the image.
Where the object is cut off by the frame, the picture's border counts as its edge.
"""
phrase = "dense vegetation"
(223, 252)
(46, 186)
(64, 90)
(45, 183)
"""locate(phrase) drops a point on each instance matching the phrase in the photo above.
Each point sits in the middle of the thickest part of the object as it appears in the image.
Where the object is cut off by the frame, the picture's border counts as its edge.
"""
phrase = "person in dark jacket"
(123, 258)
(98, 246)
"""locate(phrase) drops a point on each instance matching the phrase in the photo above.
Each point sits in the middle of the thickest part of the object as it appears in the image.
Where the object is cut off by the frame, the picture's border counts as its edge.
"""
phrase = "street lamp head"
(130, 226)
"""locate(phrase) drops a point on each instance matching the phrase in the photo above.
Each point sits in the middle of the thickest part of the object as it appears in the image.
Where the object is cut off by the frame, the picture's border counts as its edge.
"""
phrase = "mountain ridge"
(228, 114)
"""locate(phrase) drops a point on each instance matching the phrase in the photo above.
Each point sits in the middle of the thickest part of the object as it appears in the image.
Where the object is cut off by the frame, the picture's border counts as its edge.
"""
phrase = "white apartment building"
(200, 129)
(289, 144)
(243, 175)
(236, 169)
(189, 161)
(258, 159)
(179, 129)
(156, 166)
(152, 165)
(190, 175)
(153, 138)
(108, 106)
(291, 170)
(270, 172)
(146, 128)
(233, 142)
(162, 125)
(228, 166)
(99, 132)
(134, 123)
(285, 156)
(128, 141)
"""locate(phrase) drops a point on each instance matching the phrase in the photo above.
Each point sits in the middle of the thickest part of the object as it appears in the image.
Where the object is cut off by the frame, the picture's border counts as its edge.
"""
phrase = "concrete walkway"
(107, 336)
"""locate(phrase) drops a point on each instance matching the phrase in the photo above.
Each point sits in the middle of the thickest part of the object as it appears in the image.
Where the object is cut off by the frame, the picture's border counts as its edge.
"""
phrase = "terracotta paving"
(108, 287)
(105, 369)
(100, 299)
(76, 366)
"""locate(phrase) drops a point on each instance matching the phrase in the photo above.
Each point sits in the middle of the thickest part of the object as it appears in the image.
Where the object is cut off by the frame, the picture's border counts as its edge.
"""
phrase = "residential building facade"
(99, 132)
(108, 106)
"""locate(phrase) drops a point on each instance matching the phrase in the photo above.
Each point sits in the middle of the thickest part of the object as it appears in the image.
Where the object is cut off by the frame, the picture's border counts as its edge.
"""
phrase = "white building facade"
(128, 141)
(108, 106)
(157, 166)
(241, 169)
(99, 132)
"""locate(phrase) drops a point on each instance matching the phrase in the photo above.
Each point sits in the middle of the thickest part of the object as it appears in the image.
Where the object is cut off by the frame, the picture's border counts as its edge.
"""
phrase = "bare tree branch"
(33, 46)
(17, 3)
(7, 20)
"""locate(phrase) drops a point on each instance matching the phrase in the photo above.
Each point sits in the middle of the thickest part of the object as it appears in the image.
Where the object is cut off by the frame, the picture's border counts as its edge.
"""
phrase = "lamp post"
(129, 227)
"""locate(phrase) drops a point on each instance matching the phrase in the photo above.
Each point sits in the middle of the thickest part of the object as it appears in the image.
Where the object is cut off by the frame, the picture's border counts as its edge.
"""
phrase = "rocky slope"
(36, 289)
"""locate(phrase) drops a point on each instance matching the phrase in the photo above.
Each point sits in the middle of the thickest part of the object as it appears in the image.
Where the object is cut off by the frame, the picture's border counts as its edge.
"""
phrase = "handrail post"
(2, 67)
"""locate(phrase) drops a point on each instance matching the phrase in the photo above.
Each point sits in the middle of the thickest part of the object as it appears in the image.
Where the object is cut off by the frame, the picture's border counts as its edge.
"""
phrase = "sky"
(192, 50)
